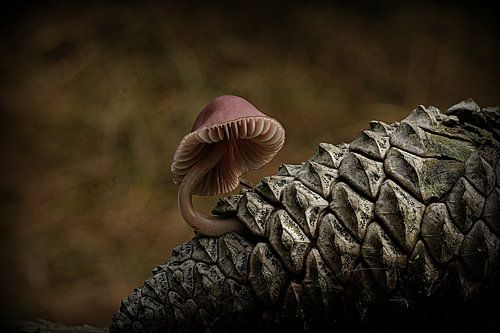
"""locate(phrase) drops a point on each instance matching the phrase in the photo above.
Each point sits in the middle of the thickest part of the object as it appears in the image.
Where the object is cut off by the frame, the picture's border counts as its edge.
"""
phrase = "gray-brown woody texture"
(401, 225)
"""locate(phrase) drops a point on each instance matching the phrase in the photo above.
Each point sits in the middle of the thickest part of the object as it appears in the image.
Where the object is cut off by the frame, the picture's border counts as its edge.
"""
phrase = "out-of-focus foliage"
(95, 98)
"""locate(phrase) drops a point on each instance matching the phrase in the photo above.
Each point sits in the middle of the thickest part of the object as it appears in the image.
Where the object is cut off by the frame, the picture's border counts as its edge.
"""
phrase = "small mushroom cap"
(250, 138)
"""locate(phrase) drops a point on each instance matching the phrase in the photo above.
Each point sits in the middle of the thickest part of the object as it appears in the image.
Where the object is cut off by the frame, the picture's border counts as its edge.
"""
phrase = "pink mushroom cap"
(251, 140)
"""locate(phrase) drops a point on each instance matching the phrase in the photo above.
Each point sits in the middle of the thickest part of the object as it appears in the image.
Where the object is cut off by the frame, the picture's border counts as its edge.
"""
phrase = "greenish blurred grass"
(95, 99)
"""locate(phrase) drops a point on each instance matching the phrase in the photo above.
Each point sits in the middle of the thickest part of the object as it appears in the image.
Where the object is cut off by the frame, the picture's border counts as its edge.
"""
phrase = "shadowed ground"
(94, 100)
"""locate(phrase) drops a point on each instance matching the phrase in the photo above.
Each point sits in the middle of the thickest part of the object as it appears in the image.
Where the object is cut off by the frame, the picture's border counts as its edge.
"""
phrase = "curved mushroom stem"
(206, 225)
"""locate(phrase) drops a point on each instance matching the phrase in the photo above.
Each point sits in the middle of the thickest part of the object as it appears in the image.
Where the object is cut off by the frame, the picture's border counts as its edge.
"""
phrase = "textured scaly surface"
(402, 222)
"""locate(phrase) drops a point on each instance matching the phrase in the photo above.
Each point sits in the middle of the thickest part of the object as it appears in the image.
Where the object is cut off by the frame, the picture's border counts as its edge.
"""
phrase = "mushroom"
(229, 137)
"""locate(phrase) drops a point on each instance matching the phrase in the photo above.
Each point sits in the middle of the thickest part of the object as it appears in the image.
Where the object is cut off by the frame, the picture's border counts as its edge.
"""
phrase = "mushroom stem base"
(204, 224)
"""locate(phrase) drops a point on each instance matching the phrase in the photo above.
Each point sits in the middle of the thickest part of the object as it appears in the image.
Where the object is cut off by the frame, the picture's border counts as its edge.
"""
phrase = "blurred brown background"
(95, 98)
